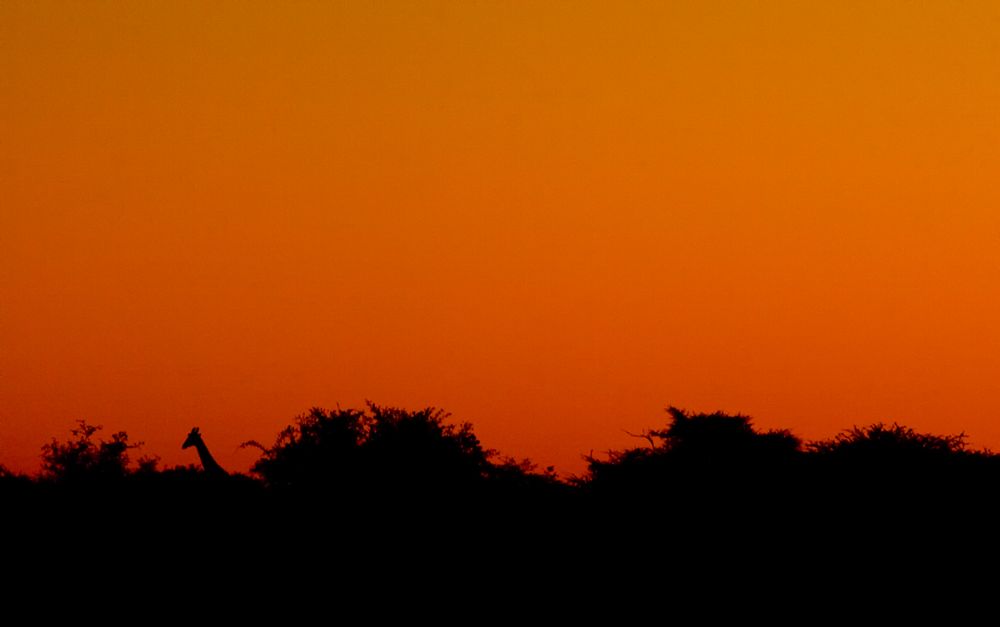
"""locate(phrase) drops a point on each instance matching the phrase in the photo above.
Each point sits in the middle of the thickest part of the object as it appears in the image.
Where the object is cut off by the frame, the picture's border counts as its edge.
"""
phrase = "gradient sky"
(551, 219)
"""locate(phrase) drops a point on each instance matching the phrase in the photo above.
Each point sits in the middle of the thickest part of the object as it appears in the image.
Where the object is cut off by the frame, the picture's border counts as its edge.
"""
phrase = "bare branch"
(648, 436)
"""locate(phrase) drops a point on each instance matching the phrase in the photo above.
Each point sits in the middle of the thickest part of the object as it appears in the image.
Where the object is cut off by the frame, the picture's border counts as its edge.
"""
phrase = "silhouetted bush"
(889, 465)
(697, 452)
(523, 476)
(722, 439)
(890, 444)
(383, 449)
(322, 448)
(11, 481)
(88, 459)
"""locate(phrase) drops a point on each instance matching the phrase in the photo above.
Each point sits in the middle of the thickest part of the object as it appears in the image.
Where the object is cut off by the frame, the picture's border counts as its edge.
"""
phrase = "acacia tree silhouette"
(695, 447)
(888, 464)
(893, 443)
(376, 448)
(712, 463)
(320, 449)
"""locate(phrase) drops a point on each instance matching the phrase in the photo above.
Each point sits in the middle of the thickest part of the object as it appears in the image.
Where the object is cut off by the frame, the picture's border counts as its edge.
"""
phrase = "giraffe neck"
(208, 462)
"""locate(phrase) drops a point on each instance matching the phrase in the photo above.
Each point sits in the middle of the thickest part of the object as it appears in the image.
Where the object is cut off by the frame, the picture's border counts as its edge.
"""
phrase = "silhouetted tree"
(696, 453)
(889, 463)
(881, 443)
(415, 449)
(87, 458)
(378, 450)
(722, 439)
(321, 448)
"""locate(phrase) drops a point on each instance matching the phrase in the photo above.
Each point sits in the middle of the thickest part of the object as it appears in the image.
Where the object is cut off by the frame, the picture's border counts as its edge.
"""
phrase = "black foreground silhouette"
(353, 482)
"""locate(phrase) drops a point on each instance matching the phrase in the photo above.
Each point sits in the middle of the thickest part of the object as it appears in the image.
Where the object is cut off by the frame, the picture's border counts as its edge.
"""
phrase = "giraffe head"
(193, 438)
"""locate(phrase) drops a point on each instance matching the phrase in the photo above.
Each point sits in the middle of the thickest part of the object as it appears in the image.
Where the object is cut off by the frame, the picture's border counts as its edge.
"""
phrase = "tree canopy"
(87, 457)
(377, 448)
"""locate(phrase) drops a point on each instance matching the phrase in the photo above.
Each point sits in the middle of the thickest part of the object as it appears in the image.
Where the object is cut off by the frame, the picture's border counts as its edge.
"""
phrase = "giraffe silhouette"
(208, 463)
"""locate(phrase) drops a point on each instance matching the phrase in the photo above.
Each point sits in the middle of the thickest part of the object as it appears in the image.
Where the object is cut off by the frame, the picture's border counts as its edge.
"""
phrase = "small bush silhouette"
(87, 458)
(9, 477)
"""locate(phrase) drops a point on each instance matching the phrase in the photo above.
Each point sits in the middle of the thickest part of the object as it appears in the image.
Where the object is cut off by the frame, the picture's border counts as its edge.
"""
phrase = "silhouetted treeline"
(696, 467)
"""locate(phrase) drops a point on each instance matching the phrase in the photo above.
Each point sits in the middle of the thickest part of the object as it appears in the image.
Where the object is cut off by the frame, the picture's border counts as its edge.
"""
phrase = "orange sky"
(551, 219)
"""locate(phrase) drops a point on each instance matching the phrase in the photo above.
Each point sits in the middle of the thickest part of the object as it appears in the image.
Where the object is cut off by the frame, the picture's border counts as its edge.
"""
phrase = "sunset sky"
(552, 219)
